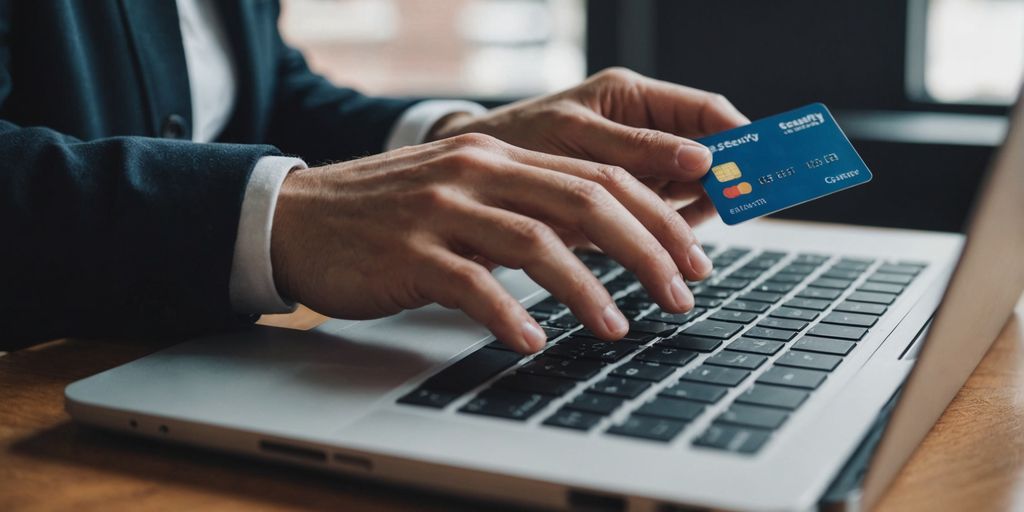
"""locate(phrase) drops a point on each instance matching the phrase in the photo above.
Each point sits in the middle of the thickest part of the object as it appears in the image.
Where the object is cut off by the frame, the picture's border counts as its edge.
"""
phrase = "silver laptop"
(817, 354)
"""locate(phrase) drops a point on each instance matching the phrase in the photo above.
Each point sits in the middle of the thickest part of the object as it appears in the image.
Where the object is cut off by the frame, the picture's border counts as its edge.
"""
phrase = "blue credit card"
(778, 162)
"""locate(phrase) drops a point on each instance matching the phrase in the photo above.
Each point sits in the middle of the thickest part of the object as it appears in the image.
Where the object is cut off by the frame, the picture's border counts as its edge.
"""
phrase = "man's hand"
(620, 118)
(374, 236)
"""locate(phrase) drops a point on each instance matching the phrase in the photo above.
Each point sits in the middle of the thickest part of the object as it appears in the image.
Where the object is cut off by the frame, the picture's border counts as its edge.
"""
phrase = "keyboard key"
(746, 273)
(736, 360)
(819, 293)
(706, 302)
(899, 269)
(769, 334)
(756, 296)
(854, 319)
(535, 384)
(824, 345)
(872, 297)
(666, 355)
(733, 439)
(783, 323)
(501, 403)
(590, 348)
(756, 346)
(722, 376)
(740, 317)
(675, 318)
(730, 283)
(563, 322)
(644, 370)
(690, 343)
(802, 303)
(576, 369)
(643, 427)
(747, 305)
(595, 403)
(771, 287)
(549, 305)
(792, 377)
(664, 407)
(635, 337)
(752, 416)
(713, 329)
(773, 396)
(853, 264)
(828, 282)
(711, 293)
(695, 391)
(839, 273)
(655, 328)
(794, 313)
(861, 307)
(472, 370)
(576, 420)
(786, 278)
(429, 398)
(880, 277)
(843, 332)
(798, 268)
(809, 360)
(894, 289)
(809, 258)
(761, 263)
(620, 386)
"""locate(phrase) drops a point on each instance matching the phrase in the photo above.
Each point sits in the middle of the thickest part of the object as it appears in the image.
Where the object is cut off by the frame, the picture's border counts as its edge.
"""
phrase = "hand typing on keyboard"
(421, 224)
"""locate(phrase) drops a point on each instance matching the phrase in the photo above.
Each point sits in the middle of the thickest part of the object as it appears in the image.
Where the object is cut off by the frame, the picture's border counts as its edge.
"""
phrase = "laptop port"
(292, 451)
(588, 501)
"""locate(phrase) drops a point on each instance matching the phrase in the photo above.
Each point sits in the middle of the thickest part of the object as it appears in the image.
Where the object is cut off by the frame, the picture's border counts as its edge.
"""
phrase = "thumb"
(643, 151)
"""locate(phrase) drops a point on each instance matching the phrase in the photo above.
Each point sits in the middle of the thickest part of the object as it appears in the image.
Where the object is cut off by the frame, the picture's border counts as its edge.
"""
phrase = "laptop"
(816, 360)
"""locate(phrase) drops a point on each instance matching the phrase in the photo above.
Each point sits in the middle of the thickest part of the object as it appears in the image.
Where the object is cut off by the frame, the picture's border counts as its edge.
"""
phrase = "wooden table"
(973, 459)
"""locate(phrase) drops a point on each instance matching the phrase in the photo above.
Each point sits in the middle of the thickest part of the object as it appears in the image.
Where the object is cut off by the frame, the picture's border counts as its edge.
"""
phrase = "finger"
(455, 282)
(585, 206)
(698, 211)
(660, 219)
(643, 151)
(516, 241)
(687, 111)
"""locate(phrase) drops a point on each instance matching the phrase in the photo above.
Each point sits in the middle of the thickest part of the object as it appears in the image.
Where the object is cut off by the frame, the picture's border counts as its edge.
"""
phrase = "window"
(966, 51)
(467, 48)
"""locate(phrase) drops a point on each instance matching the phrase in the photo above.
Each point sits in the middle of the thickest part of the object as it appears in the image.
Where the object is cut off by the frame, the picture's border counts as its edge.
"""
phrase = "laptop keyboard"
(794, 316)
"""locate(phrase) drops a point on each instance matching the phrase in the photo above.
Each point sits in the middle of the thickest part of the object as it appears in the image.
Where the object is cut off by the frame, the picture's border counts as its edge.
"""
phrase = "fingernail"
(680, 293)
(533, 337)
(613, 320)
(693, 157)
(699, 262)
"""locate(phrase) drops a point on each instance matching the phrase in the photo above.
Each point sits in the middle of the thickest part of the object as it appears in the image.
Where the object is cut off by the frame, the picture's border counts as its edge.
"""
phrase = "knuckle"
(470, 276)
(435, 197)
(474, 139)
(616, 74)
(586, 193)
(463, 158)
(614, 178)
(646, 138)
(533, 234)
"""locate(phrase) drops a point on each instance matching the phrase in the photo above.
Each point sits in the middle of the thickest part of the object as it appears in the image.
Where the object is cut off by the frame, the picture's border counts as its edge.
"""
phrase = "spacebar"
(472, 370)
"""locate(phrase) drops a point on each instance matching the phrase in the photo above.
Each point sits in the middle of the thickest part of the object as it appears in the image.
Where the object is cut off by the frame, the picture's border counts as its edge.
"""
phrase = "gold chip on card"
(726, 172)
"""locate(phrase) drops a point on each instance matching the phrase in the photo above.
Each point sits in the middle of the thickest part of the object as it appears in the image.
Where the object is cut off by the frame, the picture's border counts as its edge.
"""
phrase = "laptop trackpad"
(299, 382)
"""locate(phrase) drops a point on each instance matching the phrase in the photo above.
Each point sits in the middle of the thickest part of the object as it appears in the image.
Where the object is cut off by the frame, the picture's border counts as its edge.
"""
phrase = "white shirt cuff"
(415, 123)
(251, 287)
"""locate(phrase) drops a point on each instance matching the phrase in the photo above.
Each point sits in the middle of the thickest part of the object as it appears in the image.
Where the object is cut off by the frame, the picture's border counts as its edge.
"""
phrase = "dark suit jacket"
(112, 223)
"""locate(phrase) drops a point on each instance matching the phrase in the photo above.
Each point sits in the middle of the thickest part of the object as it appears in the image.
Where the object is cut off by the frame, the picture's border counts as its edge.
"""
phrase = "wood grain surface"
(973, 459)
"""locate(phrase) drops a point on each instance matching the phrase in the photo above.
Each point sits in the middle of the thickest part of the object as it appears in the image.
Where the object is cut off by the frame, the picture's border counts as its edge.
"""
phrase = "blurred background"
(922, 87)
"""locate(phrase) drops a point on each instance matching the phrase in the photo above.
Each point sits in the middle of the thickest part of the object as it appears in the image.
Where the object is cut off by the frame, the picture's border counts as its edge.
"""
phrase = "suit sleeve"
(117, 236)
(322, 122)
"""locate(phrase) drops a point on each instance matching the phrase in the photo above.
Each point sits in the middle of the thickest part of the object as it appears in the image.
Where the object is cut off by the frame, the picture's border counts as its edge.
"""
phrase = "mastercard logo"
(737, 190)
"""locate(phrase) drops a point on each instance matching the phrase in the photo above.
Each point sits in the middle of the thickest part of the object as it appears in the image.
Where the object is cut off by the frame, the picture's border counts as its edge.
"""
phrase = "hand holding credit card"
(778, 162)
